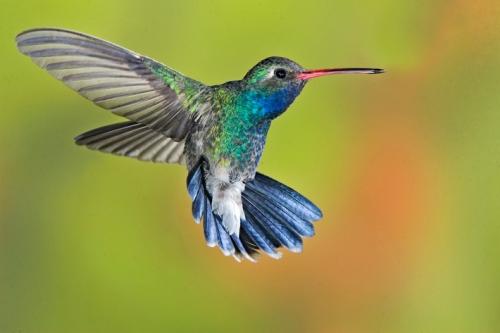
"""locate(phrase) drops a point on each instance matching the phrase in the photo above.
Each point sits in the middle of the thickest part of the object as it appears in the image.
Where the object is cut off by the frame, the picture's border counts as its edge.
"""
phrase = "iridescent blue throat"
(267, 105)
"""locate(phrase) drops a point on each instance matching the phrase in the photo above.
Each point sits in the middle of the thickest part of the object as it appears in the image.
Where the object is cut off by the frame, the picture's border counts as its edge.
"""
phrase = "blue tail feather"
(241, 250)
(209, 225)
(276, 216)
(198, 206)
(287, 237)
(225, 241)
(195, 180)
(301, 226)
(259, 237)
(286, 197)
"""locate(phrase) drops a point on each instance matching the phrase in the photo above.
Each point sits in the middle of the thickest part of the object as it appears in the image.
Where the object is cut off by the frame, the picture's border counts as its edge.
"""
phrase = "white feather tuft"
(226, 200)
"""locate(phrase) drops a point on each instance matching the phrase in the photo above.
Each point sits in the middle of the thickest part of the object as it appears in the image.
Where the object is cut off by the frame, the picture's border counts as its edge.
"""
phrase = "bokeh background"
(405, 165)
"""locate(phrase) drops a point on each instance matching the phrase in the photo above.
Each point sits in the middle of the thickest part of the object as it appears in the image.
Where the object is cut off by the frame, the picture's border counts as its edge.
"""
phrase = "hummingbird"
(218, 132)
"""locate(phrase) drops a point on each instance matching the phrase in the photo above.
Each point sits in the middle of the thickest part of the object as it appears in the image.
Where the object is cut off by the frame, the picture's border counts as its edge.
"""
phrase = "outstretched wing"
(124, 82)
(134, 140)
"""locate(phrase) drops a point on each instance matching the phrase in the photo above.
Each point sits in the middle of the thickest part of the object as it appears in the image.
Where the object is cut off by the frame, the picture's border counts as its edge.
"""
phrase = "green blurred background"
(406, 167)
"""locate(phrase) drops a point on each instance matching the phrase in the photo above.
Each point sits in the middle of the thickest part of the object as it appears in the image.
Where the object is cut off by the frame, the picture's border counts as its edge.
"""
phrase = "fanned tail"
(275, 216)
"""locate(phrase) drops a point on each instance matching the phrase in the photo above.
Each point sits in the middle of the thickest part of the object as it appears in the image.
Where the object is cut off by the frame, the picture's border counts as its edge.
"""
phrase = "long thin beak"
(309, 74)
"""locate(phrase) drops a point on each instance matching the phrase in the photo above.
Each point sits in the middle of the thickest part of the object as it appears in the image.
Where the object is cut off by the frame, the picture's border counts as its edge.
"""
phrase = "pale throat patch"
(226, 199)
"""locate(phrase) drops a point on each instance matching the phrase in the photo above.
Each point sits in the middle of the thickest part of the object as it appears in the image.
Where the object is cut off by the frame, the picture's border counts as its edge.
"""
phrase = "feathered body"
(218, 132)
(231, 134)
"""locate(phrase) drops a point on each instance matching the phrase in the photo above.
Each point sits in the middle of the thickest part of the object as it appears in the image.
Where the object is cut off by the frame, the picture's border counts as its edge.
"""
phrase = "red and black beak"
(309, 74)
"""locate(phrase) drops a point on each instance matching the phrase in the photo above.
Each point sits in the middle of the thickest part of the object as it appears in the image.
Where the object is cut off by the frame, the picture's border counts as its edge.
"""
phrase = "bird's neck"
(263, 105)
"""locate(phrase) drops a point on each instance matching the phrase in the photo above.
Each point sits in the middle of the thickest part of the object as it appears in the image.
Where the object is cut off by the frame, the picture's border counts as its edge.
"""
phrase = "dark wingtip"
(378, 71)
(27, 31)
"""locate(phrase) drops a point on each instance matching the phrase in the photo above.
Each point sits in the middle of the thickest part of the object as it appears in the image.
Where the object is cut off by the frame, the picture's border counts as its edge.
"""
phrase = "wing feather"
(133, 140)
(122, 81)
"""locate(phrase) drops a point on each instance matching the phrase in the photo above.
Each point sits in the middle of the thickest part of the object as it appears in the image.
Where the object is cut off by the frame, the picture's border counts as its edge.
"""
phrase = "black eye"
(280, 73)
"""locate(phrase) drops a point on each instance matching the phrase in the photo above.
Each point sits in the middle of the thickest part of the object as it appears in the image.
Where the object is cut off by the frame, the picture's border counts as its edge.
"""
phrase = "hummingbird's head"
(272, 85)
(275, 72)
(275, 82)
